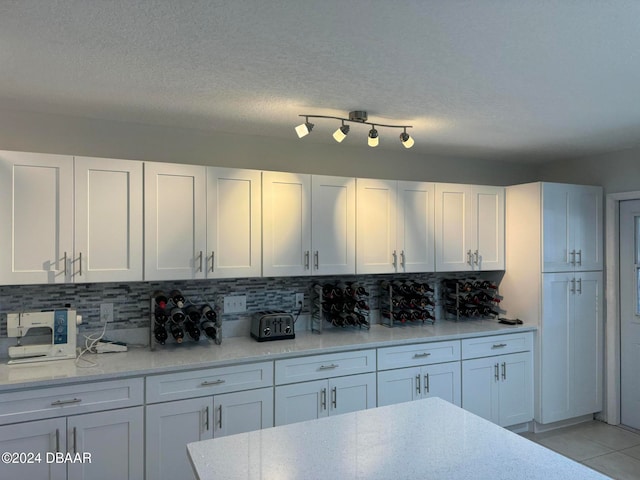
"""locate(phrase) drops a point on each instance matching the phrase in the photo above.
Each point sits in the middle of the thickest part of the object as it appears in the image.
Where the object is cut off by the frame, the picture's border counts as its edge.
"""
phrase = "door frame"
(611, 411)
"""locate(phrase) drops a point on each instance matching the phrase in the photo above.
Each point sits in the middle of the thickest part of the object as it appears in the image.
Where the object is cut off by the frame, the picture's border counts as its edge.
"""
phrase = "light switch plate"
(235, 303)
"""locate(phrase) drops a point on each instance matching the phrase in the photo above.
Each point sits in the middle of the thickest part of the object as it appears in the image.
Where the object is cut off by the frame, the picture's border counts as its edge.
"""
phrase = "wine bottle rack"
(197, 322)
(471, 298)
(342, 305)
(406, 302)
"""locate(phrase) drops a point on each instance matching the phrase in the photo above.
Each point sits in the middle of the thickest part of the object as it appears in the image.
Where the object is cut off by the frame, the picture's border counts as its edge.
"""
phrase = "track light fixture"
(356, 116)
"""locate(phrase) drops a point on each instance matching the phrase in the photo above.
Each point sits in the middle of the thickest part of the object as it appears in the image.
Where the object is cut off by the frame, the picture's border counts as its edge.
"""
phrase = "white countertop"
(423, 439)
(142, 361)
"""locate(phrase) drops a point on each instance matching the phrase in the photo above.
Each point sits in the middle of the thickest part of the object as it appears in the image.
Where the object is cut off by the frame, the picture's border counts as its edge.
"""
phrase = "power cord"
(90, 347)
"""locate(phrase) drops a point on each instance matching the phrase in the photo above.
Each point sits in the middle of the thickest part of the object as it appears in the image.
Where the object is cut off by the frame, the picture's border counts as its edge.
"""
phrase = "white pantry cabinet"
(308, 224)
(469, 227)
(233, 223)
(36, 214)
(395, 226)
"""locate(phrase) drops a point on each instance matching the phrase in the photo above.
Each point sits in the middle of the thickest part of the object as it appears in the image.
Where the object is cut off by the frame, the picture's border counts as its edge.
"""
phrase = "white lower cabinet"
(171, 425)
(407, 384)
(299, 402)
(499, 388)
(109, 443)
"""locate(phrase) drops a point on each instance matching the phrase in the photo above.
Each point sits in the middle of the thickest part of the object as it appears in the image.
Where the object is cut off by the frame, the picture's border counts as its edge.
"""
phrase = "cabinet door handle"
(213, 262)
(579, 261)
(497, 372)
(317, 260)
(328, 367)
(80, 262)
(206, 419)
(208, 383)
(476, 258)
(573, 286)
(306, 260)
(426, 383)
(220, 421)
(323, 399)
(57, 440)
(421, 355)
(395, 259)
(75, 440)
(579, 282)
(64, 260)
(402, 259)
(573, 257)
(58, 403)
(200, 257)
(418, 384)
(504, 370)
(469, 260)
(334, 397)
(499, 345)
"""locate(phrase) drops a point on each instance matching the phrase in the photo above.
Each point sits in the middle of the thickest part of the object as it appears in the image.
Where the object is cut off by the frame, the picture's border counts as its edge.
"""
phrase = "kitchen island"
(427, 438)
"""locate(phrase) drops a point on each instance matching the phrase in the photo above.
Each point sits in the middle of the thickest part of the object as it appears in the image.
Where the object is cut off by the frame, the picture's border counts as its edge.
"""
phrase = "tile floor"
(611, 450)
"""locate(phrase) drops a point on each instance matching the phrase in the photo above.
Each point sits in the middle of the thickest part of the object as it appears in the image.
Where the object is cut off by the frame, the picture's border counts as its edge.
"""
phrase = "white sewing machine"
(59, 326)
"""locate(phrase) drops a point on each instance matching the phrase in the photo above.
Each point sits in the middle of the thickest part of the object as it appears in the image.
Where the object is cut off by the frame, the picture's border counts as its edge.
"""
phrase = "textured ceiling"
(514, 80)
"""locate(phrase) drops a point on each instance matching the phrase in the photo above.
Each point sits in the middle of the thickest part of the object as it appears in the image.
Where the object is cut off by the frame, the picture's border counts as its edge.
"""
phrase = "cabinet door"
(480, 387)
(488, 227)
(174, 221)
(169, 427)
(586, 216)
(376, 250)
(241, 412)
(556, 344)
(41, 437)
(587, 332)
(397, 386)
(416, 226)
(299, 402)
(286, 224)
(115, 441)
(333, 225)
(350, 394)
(556, 241)
(443, 380)
(36, 214)
(234, 224)
(516, 388)
(108, 220)
(454, 225)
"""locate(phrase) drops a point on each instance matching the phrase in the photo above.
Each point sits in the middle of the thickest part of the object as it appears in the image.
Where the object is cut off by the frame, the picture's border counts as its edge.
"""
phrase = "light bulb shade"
(340, 134)
(373, 139)
(304, 129)
(407, 141)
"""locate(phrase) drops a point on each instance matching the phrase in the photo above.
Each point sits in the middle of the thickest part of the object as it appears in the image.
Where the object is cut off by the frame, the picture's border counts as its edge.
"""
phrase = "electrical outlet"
(106, 312)
(235, 303)
(299, 300)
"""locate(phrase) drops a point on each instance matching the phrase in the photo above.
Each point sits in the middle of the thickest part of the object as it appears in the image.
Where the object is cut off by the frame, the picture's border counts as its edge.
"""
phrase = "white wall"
(81, 136)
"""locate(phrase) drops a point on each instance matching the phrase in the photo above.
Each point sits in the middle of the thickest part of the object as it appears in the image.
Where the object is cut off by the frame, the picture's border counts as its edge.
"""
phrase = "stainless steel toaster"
(272, 325)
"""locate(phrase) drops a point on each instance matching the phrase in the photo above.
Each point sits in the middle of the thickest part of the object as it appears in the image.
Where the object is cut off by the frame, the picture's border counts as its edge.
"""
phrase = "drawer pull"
(328, 367)
(499, 345)
(422, 355)
(215, 382)
(57, 403)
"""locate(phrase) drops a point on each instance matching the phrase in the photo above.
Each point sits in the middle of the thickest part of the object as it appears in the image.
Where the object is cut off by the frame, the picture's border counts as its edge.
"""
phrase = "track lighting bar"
(356, 116)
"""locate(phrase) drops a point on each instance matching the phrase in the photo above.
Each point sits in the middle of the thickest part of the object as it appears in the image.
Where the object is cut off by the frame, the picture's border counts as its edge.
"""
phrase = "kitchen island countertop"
(427, 438)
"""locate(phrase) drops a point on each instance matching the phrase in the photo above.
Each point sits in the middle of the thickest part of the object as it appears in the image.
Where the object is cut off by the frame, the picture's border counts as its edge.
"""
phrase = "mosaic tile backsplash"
(131, 300)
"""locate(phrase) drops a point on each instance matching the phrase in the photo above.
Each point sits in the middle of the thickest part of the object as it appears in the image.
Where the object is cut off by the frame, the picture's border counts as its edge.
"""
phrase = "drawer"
(211, 381)
(497, 345)
(70, 400)
(419, 354)
(316, 367)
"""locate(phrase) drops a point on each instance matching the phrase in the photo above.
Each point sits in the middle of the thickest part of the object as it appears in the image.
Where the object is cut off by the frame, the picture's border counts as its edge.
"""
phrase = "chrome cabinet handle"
(499, 345)
(75, 440)
(426, 383)
(57, 440)
(402, 259)
(334, 397)
(57, 403)
(65, 264)
(200, 257)
(573, 286)
(504, 370)
(395, 259)
(208, 383)
(476, 258)
(323, 399)
(328, 367)
(213, 263)
(469, 259)
(317, 259)
(579, 253)
(206, 419)
(573, 257)
(80, 262)
(306, 260)
(497, 372)
(220, 420)
(579, 282)
(418, 384)
(421, 355)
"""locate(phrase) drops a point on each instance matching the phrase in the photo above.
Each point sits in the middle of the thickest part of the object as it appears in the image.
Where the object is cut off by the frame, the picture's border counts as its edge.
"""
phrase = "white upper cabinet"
(233, 223)
(394, 226)
(572, 227)
(333, 225)
(308, 224)
(36, 214)
(175, 221)
(108, 220)
(469, 227)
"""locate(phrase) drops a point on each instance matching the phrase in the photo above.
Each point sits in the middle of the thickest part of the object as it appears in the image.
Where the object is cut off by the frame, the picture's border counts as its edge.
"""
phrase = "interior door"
(630, 313)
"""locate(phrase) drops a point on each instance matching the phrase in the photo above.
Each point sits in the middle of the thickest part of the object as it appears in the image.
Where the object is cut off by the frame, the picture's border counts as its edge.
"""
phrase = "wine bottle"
(193, 313)
(177, 332)
(161, 316)
(160, 334)
(208, 313)
(177, 315)
(177, 298)
(160, 299)
(209, 328)
(192, 329)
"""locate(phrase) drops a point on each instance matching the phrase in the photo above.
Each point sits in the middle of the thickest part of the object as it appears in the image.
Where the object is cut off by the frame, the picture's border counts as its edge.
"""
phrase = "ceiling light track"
(356, 116)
